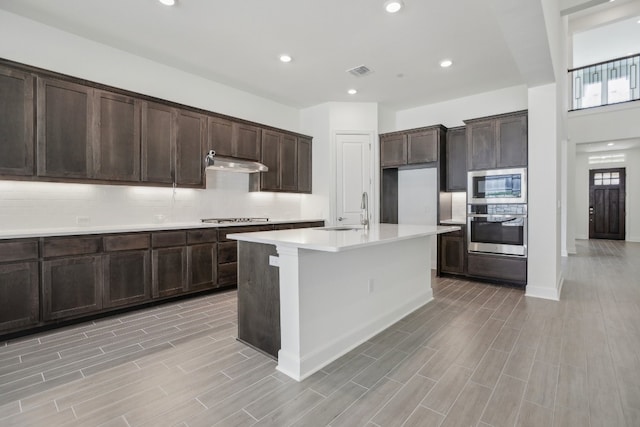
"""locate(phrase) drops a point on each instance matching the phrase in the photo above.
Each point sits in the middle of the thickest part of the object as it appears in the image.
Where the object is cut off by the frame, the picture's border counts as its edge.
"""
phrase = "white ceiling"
(595, 147)
(607, 42)
(238, 43)
(493, 43)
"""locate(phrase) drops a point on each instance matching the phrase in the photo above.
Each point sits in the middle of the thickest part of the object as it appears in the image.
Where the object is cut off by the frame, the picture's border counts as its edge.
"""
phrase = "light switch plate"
(274, 261)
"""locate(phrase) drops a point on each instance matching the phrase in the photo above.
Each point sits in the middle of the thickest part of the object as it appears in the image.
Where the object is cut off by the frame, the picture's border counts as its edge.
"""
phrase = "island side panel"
(258, 297)
(338, 300)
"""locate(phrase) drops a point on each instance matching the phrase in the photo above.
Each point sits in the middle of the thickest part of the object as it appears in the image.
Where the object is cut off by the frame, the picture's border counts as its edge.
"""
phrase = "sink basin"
(343, 228)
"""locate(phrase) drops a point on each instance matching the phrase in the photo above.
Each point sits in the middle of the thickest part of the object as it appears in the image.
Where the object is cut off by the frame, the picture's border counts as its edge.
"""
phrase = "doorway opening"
(607, 204)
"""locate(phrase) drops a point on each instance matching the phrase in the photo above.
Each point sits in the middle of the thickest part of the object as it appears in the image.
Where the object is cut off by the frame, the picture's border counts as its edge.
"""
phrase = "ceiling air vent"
(360, 71)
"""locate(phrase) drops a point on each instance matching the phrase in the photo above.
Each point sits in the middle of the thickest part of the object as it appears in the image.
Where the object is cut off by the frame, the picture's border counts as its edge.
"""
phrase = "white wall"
(632, 201)
(30, 205)
(610, 123)
(452, 113)
(418, 201)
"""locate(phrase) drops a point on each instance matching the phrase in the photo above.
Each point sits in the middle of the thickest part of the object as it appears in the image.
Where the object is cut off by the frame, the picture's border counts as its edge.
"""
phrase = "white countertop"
(328, 239)
(73, 231)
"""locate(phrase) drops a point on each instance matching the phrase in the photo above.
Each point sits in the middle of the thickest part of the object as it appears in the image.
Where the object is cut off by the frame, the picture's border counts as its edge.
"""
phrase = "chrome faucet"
(364, 215)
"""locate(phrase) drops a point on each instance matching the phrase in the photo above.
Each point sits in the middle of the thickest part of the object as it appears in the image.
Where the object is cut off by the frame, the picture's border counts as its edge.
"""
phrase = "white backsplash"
(25, 205)
(459, 205)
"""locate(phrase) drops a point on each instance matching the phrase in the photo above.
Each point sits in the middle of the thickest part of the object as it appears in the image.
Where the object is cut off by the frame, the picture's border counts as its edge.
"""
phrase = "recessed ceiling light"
(610, 144)
(168, 2)
(285, 58)
(352, 91)
(392, 6)
(446, 63)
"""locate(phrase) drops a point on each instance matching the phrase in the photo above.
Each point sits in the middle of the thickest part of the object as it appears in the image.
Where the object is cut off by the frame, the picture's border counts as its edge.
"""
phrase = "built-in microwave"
(497, 186)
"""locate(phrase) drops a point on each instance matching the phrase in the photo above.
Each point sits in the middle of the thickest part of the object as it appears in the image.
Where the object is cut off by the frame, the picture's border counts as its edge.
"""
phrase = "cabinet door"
(304, 165)
(422, 147)
(190, 153)
(393, 150)
(71, 286)
(456, 162)
(270, 180)
(127, 278)
(512, 141)
(246, 141)
(19, 295)
(16, 122)
(64, 129)
(289, 163)
(481, 145)
(220, 136)
(203, 265)
(116, 137)
(158, 143)
(452, 254)
(169, 271)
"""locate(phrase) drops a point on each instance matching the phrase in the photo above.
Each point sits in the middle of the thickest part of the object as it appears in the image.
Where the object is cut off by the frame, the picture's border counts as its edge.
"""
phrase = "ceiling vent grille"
(360, 71)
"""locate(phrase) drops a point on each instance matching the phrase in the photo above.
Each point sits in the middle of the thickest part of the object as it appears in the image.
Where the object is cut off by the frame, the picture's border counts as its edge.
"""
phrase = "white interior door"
(353, 176)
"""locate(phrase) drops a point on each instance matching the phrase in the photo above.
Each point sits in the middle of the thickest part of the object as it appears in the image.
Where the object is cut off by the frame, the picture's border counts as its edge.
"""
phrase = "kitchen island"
(308, 296)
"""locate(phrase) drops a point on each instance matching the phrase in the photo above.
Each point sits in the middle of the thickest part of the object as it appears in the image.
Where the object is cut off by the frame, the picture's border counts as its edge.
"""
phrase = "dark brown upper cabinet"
(158, 143)
(17, 109)
(116, 137)
(220, 136)
(289, 163)
(456, 159)
(65, 112)
(270, 180)
(190, 143)
(414, 147)
(393, 150)
(304, 165)
(228, 138)
(422, 147)
(280, 155)
(246, 141)
(497, 141)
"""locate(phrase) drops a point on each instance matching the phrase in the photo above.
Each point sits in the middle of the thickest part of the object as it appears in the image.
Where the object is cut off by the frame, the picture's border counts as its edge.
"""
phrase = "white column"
(544, 276)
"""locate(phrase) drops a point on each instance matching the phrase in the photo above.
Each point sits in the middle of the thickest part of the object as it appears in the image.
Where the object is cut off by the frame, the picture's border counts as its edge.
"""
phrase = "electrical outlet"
(370, 286)
(83, 220)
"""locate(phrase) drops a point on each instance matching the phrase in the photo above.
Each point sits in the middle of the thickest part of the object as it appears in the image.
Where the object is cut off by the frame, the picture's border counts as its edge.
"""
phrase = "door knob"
(341, 218)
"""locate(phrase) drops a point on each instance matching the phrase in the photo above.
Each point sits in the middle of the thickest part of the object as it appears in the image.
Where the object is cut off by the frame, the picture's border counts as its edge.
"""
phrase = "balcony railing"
(605, 83)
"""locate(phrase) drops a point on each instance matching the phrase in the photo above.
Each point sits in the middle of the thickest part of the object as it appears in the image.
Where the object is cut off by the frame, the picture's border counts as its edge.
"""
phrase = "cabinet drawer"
(65, 246)
(206, 235)
(126, 242)
(222, 232)
(458, 233)
(168, 238)
(18, 250)
(227, 252)
(508, 269)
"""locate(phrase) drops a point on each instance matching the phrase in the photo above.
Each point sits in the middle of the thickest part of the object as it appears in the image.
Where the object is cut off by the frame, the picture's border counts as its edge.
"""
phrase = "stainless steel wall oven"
(497, 229)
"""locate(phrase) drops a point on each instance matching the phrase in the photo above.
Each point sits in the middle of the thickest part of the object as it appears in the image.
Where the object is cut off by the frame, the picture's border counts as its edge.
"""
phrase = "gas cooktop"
(232, 220)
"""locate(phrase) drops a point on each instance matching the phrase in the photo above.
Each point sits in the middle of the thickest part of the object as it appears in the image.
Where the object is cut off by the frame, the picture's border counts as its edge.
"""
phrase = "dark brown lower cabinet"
(452, 254)
(259, 298)
(71, 286)
(127, 278)
(19, 298)
(169, 271)
(203, 266)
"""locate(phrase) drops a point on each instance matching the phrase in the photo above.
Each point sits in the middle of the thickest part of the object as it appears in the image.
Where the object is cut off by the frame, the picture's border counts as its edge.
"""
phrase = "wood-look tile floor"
(478, 355)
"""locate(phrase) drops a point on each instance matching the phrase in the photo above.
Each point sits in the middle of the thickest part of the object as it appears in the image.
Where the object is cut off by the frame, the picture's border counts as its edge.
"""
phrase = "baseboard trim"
(544, 292)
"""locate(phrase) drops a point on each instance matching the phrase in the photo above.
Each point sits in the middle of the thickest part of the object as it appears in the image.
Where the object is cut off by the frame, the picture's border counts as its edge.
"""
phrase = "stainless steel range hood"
(230, 164)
